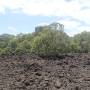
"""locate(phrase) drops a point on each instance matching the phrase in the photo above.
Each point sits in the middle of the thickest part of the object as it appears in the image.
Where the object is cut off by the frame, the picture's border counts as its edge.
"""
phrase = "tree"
(50, 41)
(83, 41)
(23, 47)
(4, 39)
(46, 40)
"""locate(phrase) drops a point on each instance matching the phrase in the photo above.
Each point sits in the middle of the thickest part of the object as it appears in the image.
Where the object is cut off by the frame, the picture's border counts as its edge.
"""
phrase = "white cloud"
(44, 7)
(42, 24)
(2, 10)
(74, 26)
(77, 9)
(12, 30)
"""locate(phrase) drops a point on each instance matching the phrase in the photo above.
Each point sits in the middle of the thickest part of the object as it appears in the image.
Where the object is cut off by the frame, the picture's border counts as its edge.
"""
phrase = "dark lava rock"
(63, 72)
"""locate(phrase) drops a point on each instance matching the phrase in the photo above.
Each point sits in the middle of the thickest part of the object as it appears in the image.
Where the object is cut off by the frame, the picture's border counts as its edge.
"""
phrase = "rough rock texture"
(25, 72)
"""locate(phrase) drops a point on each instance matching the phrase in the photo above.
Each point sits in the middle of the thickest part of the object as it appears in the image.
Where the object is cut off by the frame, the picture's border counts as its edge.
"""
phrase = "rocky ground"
(25, 72)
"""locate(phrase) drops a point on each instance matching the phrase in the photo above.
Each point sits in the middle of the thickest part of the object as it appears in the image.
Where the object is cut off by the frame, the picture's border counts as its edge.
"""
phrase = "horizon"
(22, 16)
(34, 31)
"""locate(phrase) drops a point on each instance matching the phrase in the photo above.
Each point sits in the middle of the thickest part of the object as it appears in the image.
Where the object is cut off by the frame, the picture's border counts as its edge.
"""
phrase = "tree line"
(45, 40)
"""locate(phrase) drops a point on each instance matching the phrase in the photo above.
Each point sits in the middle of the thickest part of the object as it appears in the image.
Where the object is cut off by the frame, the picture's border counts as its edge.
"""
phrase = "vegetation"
(46, 40)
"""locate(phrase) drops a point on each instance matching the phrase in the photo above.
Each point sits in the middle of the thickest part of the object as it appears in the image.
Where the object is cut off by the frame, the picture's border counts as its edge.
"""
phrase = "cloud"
(74, 26)
(12, 30)
(77, 10)
(2, 10)
(42, 24)
(46, 7)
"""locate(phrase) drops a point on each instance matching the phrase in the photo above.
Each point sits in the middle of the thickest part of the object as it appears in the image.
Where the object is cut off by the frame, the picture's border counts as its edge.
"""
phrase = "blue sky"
(21, 16)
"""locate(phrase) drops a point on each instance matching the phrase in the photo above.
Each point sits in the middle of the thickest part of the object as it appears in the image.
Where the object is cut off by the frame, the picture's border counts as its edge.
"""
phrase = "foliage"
(46, 40)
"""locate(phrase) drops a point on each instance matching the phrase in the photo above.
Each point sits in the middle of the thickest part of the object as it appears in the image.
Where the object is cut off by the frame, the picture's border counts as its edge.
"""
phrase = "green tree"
(50, 41)
(83, 41)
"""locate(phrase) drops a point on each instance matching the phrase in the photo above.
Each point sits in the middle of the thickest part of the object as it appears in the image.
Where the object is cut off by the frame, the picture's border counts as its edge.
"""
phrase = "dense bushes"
(46, 40)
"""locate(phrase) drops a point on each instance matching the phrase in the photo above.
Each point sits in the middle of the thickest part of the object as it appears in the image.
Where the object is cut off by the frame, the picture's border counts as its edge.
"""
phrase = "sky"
(22, 16)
